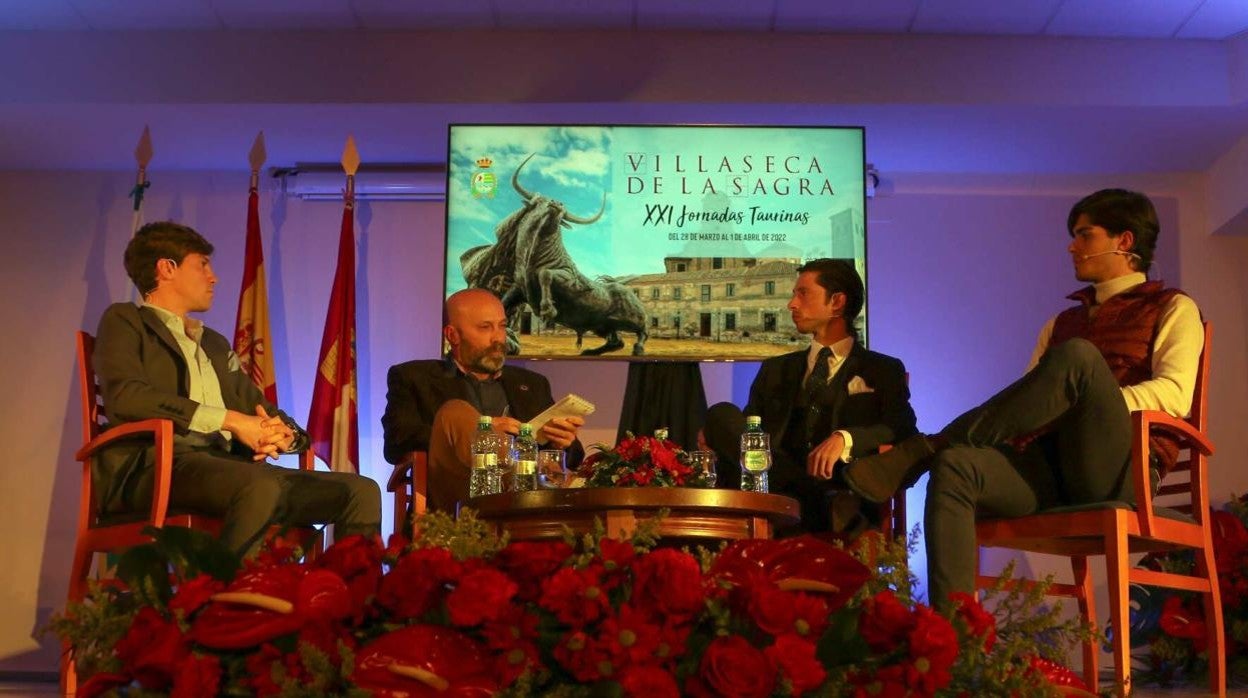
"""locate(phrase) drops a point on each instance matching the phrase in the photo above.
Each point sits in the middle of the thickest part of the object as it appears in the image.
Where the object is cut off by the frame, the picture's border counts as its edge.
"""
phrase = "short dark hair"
(156, 241)
(839, 276)
(1117, 211)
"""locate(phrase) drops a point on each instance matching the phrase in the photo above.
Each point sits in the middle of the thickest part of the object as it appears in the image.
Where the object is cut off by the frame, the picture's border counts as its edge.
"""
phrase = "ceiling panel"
(285, 14)
(984, 16)
(57, 15)
(1158, 19)
(882, 16)
(425, 14)
(737, 15)
(602, 14)
(148, 14)
(1217, 19)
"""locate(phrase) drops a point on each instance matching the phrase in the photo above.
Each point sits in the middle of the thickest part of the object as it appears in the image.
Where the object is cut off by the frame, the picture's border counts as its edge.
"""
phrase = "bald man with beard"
(433, 405)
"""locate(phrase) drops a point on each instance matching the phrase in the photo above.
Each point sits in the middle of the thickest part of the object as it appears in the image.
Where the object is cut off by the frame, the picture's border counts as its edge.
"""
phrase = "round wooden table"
(696, 515)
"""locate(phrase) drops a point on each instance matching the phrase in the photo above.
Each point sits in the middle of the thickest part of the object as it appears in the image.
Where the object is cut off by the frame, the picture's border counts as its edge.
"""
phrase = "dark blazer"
(143, 375)
(873, 418)
(416, 389)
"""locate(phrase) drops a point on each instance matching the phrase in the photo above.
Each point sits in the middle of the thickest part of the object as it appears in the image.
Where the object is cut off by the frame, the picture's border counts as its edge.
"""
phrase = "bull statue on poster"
(529, 264)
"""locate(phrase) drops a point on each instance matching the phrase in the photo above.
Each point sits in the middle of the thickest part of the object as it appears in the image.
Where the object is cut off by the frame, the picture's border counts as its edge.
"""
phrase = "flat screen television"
(650, 242)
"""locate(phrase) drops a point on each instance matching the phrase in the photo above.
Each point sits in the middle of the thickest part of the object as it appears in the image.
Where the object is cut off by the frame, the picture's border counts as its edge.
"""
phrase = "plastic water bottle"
(524, 455)
(485, 471)
(755, 455)
(661, 433)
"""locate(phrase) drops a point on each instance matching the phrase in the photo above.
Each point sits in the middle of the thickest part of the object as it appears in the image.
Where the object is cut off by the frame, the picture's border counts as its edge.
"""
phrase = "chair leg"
(69, 672)
(1117, 569)
(1214, 624)
(1087, 609)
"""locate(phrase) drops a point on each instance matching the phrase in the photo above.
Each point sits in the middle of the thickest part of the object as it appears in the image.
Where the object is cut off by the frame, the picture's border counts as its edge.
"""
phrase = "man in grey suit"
(155, 361)
(433, 404)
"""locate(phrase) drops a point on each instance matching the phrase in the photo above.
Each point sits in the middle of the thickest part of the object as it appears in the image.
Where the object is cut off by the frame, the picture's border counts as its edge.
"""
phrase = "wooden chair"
(108, 533)
(1116, 530)
(410, 484)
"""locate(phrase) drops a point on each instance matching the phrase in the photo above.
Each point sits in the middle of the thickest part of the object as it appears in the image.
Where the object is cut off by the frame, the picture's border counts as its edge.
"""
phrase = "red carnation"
(795, 659)
(979, 622)
(576, 597)
(481, 595)
(887, 682)
(513, 626)
(152, 649)
(511, 664)
(197, 677)
(885, 622)
(811, 615)
(668, 582)
(417, 582)
(933, 649)
(648, 682)
(733, 667)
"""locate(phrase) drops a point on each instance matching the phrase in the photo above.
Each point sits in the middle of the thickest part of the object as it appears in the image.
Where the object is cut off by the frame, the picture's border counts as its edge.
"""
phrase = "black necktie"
(818, 378)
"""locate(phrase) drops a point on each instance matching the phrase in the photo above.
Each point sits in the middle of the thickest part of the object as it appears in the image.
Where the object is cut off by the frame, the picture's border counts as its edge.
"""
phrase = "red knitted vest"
(1123, 329)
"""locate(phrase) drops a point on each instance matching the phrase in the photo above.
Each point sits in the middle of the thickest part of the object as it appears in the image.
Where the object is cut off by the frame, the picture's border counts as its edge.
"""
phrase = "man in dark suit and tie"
(154, 361)
(433, 404)
(823, 405)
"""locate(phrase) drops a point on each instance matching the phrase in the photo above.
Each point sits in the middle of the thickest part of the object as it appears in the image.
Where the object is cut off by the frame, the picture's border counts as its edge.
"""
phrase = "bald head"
(476, 330)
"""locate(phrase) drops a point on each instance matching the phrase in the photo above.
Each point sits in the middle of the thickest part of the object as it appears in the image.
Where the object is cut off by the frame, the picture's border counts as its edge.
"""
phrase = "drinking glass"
(704, 462)
(552, 470)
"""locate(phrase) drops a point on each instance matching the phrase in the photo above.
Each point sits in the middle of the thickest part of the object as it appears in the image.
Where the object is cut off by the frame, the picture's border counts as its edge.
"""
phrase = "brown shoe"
(877, 478)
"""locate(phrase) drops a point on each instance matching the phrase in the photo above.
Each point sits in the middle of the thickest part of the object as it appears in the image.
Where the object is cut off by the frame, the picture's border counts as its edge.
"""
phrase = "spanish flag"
(252, 337)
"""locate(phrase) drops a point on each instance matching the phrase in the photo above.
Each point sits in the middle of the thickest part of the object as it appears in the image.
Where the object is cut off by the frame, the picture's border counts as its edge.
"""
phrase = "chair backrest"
(89, 391)
(1198, 418)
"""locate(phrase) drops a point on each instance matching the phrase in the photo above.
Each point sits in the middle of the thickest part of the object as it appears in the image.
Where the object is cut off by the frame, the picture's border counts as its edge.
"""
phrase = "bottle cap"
(526, 429)
(485, 420)
(754, 420)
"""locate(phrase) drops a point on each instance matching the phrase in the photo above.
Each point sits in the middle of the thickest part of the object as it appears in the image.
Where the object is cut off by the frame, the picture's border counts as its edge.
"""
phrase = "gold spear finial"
(257, 157)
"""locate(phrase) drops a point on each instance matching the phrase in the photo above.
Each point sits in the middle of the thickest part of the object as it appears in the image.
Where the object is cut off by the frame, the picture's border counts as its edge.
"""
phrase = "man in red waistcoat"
(1061, 434)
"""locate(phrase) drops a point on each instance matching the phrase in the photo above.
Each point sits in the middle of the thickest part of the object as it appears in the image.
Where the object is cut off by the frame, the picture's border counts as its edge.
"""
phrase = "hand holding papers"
(570, 405)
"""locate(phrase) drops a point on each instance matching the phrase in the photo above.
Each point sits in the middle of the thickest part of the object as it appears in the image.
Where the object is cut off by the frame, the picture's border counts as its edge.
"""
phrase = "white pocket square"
(858, 385)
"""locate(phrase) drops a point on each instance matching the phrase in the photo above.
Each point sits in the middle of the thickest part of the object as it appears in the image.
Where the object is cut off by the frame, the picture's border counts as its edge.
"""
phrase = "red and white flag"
(332, 422)
(252, 337)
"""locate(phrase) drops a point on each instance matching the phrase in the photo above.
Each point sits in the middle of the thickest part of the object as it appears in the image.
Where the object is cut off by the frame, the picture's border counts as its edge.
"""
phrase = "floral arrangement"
(458, 612)
(1168, 631)
(640, 461)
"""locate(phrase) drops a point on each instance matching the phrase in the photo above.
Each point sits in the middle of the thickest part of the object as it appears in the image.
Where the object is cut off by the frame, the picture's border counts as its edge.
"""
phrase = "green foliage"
(95, 625)
(466, 537)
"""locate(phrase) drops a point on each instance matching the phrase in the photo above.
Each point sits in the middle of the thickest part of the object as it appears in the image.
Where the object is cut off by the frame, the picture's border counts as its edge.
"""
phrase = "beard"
(489, 359)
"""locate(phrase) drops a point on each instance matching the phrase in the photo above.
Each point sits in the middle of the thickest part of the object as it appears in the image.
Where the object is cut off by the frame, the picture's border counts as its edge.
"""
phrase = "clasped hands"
(557, 433)
(268, 437)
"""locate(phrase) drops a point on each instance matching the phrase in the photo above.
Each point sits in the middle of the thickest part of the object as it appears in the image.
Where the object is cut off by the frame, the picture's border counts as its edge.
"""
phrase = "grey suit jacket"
(143, 375)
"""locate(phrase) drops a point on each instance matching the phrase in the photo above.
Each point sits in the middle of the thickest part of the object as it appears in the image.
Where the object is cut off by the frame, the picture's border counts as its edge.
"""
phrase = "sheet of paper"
(571, 405)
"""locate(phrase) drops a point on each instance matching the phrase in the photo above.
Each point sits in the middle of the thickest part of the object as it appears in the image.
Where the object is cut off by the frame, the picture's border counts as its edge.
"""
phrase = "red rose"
(772, 609)
(481, 595)
(198, 677)
(732, 667)
(885, 622)
(795, 659)
(152, 649)
(357, 559)
(417, 582)
(530, 564)
(979, 622)
(648, 682)
(190, 595)
(576, 597)
(668, 582)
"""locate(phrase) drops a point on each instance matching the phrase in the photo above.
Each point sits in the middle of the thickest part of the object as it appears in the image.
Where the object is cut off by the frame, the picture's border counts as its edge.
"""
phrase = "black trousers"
(1081, 458)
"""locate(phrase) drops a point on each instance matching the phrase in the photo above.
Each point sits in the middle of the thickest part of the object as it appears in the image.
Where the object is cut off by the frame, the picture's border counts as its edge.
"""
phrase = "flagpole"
(332, 420)
(252, 338)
